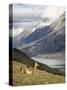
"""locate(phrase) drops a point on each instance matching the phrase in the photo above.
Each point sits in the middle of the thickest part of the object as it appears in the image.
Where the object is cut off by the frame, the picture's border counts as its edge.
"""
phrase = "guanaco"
(29, 69)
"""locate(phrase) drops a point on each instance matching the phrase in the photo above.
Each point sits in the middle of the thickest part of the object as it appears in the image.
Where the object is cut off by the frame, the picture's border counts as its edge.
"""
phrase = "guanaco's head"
(36, 64)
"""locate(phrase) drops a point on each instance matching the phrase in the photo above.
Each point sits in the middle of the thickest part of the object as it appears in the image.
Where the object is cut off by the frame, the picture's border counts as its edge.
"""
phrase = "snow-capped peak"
(40, 25)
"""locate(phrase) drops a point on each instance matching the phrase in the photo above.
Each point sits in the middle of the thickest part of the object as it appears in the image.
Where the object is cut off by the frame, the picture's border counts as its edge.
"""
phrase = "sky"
(25, 14)
(36, 12)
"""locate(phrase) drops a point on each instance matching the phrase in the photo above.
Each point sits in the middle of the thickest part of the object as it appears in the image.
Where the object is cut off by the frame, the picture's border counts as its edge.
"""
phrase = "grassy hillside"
(39, 77)
(43, 74)
(21, 57)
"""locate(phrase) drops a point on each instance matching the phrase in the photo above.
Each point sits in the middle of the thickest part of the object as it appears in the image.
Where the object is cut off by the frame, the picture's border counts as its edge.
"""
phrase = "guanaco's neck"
(35, 66)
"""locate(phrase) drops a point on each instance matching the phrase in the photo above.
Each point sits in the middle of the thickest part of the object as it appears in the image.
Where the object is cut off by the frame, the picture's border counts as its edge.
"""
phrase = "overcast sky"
(36, 12)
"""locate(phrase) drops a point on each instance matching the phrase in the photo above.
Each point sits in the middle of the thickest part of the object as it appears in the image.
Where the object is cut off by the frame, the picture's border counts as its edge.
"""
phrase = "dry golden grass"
(37, 78)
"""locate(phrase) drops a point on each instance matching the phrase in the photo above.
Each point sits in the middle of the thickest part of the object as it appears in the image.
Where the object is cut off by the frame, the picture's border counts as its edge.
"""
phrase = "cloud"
(17, 31)
(22, 12)
(52, 12)
(26, 12)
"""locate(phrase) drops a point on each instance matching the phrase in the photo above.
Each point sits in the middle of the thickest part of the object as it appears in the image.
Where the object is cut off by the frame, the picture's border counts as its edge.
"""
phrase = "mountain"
(40, 32)
(25, 35)
(18, 39)
(48, 39)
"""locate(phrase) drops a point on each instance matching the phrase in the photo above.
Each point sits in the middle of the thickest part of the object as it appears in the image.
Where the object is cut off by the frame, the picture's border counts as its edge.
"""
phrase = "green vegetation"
(37, 78)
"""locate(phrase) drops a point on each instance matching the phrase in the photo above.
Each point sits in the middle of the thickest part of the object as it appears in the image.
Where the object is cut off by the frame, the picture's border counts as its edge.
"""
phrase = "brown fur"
(29, 69)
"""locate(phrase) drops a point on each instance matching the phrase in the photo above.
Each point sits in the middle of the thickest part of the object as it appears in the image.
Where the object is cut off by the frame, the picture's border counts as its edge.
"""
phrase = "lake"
(53, 63)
